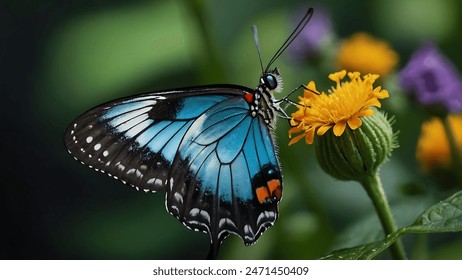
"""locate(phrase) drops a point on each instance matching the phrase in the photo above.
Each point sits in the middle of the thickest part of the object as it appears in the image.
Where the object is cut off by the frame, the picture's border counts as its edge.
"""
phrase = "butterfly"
(210, 148)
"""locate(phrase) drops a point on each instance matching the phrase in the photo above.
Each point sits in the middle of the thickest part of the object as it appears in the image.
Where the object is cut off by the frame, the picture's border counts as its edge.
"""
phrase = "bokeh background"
(60, 58)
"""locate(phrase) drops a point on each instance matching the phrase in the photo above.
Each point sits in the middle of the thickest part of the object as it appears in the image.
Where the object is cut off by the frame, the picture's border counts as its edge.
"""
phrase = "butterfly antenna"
(257, 44)
(306, 18)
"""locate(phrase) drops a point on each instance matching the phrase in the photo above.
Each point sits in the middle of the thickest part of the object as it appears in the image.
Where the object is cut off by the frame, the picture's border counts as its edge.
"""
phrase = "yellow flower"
(433, 151)
(343, 105)
(366, 54)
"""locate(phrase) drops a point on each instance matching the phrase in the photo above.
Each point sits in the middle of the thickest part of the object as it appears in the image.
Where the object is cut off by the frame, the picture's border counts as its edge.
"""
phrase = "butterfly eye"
(270, 81)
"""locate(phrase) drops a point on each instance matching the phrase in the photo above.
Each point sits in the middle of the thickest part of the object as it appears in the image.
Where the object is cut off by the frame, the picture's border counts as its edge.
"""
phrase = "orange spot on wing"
(275, 189)
(272, 189)
(273, 184)
(262, 193)
(248, 97)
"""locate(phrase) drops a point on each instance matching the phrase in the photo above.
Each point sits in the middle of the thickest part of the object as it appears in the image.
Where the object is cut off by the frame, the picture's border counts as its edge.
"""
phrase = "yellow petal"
(323, 129)
(309, 136)
(339, 128)
(296, 139)
(354, 75)
(381, 94)
(311, 88)
(365, 113)
(354, 122)
(294, 130)
(372, 102)
(372, 77)
(293, 122)
(337, 76)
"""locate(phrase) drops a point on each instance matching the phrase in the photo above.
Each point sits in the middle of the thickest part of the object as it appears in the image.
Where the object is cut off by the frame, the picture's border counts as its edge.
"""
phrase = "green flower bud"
(357, 153)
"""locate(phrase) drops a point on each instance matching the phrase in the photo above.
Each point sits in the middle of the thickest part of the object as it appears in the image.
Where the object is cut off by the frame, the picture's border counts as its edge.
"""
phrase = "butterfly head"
(271, 81)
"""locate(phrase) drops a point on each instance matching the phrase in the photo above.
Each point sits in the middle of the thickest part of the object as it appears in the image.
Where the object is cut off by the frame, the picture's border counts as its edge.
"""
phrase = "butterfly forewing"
(135, 139)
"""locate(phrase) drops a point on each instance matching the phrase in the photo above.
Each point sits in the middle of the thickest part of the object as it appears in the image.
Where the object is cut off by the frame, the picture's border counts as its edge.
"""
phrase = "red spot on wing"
(248, 97)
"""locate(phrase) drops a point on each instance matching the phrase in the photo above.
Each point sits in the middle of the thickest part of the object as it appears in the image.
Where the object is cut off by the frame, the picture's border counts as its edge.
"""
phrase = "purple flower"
(433, 79)
(313, 37)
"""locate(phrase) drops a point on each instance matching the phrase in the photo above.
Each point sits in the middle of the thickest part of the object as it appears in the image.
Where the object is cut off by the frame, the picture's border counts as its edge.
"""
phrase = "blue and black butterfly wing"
(200, 145)
(224, 158)
(135, 139)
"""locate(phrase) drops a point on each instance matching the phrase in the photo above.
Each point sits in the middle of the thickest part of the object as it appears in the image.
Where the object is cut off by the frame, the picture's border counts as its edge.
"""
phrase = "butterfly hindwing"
(225, 156)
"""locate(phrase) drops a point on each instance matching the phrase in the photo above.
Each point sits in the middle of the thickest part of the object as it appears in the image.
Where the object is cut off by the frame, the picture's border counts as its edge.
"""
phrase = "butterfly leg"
(286, 98)
(277, 102)
(289, 102)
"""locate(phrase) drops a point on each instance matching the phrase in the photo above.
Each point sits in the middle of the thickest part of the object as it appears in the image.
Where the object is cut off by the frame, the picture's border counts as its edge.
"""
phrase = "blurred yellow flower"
(433, 151)
(366, 54)
(343, 105)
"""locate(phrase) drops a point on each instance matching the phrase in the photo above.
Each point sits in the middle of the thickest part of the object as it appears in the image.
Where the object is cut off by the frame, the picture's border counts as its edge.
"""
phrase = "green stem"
(455, 153)
(373, 186)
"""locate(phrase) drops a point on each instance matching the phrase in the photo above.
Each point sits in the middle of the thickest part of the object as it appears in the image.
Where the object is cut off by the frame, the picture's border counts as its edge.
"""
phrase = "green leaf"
(445, 216)
(363, 252)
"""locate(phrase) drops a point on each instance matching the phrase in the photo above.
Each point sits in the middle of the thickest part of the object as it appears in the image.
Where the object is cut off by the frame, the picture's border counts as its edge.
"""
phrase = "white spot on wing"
(267, 215)
(178, 197)
(120, 166)
(173, 207)
(171, 183)
(248, 232)
(224, 221)
(203, 214)
(89, 139)
(135, 171)
(155, 182)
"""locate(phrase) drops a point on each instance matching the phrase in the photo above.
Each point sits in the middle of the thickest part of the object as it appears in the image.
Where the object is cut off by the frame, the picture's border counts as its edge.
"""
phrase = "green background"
(61, 58)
